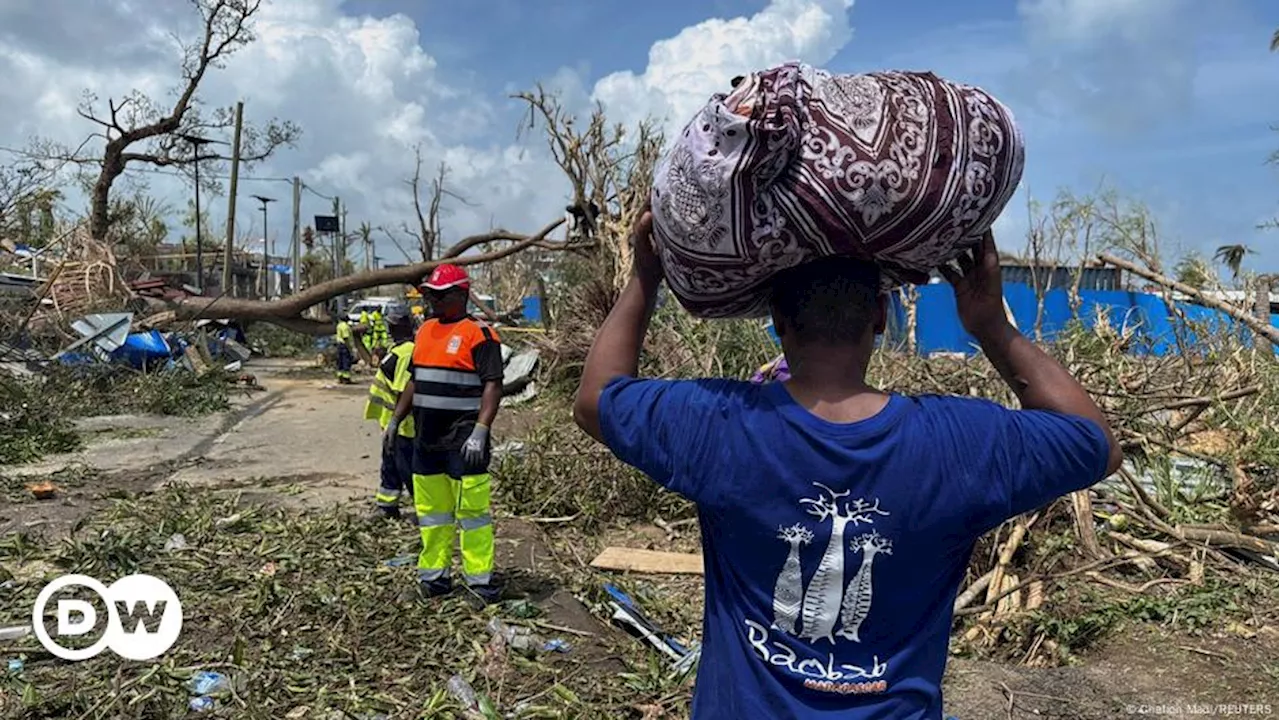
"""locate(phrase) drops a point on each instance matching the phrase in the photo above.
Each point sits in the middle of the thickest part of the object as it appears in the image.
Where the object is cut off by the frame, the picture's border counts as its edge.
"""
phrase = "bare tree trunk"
(910, 303)
(100, 200)
(287, 311)
(1262, 328)
(1262, 298)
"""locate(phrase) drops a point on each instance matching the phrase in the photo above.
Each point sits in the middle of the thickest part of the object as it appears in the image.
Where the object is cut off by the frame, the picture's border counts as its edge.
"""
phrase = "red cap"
(444, 277)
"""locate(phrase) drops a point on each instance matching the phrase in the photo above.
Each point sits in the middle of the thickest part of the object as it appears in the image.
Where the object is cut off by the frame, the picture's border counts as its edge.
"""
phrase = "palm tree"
(366, 241)
(1233, 257)
(1275, 40)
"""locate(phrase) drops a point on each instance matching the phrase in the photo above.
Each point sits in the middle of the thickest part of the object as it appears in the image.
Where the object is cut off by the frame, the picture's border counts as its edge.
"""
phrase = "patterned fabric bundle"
(904, 169)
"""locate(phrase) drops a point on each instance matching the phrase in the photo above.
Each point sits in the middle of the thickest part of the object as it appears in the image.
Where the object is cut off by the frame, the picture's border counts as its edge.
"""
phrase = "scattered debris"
(520, 639)
(14, 633)
(627, 615)
(177, 541)
(228, 521)
(208, 683)
(16, 666)
(472, 707)
(556, 645)
(400, 560)
(648, 561)
(43, 490)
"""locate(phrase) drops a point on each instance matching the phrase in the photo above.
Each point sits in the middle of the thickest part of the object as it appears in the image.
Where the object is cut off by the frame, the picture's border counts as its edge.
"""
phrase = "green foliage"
(290, 605)
(1189, 608)
(29, 426)
(275, 341)
(37, 413)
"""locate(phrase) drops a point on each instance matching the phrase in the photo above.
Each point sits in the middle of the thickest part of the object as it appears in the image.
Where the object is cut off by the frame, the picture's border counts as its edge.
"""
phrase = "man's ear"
(882, 314)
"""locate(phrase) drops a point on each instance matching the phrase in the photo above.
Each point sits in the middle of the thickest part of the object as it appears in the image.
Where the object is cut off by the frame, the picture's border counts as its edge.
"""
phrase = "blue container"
(139, 349)
(531, 309)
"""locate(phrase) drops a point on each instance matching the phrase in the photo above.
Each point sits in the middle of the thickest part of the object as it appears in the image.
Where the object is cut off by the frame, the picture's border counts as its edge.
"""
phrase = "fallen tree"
(287, 312)
(1243, 316)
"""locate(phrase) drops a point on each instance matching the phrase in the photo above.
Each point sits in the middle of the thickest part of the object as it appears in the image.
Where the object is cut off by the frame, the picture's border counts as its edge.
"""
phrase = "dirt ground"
(299, 442)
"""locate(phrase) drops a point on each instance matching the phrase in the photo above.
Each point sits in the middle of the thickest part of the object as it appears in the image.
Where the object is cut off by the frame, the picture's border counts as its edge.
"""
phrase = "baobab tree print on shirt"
(834, 606)
(824, 597)
(789, 589)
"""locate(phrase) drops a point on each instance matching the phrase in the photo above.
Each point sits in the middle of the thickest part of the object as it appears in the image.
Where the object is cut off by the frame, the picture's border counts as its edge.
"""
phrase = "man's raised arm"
(616, 350)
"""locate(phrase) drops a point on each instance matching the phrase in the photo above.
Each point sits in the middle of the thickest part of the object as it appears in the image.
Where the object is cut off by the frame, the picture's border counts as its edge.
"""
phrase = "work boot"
(435, 588)
(479, 596)
(385, 513)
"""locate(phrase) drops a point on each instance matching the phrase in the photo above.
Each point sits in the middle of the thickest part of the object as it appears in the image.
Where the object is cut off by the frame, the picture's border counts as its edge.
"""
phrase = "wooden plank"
(648, 561)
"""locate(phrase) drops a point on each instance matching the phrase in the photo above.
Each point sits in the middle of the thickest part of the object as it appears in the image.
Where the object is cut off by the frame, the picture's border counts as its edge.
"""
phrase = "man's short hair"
(830, 301)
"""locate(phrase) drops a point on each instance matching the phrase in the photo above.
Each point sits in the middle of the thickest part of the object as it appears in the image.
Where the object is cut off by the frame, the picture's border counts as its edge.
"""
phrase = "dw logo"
(144, 617)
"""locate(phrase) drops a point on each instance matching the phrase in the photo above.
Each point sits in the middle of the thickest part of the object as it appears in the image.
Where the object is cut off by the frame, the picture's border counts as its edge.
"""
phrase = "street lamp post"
(266, 285)
(196, 143)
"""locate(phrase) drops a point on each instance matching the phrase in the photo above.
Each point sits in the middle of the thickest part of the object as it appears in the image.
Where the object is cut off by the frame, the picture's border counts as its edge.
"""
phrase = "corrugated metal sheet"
(1091, 278)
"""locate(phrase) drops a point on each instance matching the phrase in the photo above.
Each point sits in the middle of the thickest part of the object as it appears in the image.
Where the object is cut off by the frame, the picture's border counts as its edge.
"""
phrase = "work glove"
(473, 449)
(389, 436)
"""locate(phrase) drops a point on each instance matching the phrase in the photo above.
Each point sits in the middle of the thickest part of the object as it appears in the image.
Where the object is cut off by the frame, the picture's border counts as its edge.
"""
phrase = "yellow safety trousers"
(443, 504)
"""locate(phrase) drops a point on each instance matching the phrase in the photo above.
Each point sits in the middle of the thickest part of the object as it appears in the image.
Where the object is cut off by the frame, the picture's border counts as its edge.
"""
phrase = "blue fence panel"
(1145, 315)
(937, 324)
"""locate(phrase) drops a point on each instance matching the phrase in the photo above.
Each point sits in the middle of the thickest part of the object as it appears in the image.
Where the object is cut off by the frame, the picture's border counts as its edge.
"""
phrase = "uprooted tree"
(604, 163)
(138, 129)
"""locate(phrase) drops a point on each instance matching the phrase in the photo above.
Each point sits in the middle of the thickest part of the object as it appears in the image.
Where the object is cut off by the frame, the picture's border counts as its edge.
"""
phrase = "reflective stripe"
(451, 377)
(429, 575)
(481, 579)
(439, 402)
(435, 519)
(380, 382)
(381, 403)
(472, 523)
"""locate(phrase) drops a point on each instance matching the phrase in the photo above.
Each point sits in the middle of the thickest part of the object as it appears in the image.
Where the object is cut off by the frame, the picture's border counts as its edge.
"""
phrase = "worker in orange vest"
(454, 396)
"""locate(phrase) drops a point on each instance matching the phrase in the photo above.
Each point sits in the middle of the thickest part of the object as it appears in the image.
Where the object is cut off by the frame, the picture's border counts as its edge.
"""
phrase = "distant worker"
(390, 380)
(345, 340)
(381, 338)
(454, 397)
(366, 336)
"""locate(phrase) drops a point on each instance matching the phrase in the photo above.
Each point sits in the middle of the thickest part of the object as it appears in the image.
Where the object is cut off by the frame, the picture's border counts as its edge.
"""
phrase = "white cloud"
(685, 70)
(365, 91)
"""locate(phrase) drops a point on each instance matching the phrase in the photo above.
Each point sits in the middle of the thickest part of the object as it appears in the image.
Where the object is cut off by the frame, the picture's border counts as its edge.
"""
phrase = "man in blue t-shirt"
(837, 519)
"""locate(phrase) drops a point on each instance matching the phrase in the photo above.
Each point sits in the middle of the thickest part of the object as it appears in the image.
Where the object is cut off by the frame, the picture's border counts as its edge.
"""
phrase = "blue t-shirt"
(833, 552)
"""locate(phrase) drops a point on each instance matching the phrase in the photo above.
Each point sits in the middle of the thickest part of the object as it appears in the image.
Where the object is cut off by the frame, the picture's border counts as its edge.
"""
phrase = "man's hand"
(389, 436)
(646, 262)
(979, 290)
(1039, 381)
(473, 449)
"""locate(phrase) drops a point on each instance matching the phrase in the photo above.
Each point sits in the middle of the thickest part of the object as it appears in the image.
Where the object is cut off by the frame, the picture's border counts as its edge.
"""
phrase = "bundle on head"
(906, 170)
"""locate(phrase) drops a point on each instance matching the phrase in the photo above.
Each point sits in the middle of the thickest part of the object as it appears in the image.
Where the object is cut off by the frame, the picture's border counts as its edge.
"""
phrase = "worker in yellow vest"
(381, 337)
(393, 374)
(345, 341)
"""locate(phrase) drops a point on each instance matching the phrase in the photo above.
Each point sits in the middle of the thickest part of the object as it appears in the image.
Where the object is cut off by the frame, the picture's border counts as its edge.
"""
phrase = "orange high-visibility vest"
(444, 371)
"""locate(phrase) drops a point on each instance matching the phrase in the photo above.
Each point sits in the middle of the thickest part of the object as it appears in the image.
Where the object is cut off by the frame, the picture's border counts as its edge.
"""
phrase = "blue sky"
(1172, 103)
(1178, 114)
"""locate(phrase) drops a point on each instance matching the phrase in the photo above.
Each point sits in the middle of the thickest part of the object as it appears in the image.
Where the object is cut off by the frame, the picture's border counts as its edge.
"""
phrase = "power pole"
(338, 240)
(295, 253)
(198, 142)
(231, 203)
(266, 248)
